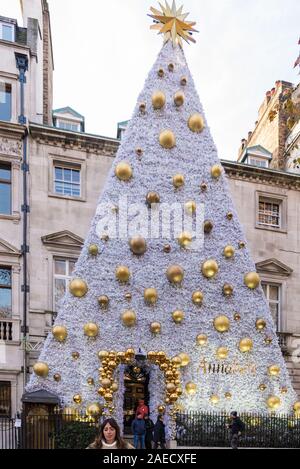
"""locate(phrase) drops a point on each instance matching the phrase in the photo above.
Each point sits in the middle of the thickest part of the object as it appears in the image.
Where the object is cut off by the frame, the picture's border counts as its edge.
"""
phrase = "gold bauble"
(237, 317)
(202, 339)
(222, 353)
(103, 354)
(228, 395)
(283, 390)
(167, 400)
(129, 318)
(77, 399)
(122, 274)
(178, 180)
(191, 388)
(216, 171)
(173, 397)
(246, 345)
(185, 359)
(139, 151)
(128, 296)
(197, 298)
(60, 333)
(268, 340)
(158, 100)
(152, 198)
(123, 171)
(210, 268)
(208, 226)
(78, 287)
(150, 296)
(167, 139)
(242, 245)
(142, 108)
(57, 377)
(178, 316)
(130, 353)
(179, 391)
(171, 67)
(229, 252)
(185, 239)
(179, 98)
(196, 123)
(273, 402)
(106, 383)
(161, 409)
(214, 399)
(262, 387)
(161, 73)
(93, 250)
(155, 327)
(260, 324)
(190, 207)
(41, 369)
(167, 248)
(75, 355)
(108, 397)
(103, 301)
(90, 381)
(171, 387)
(252, 280)
(203, 186)
(91, 329)
(274, 370)
(94, 410)
(296, 408)
(138, 245)
(183, 81)
(151, 355)
(227, 289)
(222, 324)
(175, 274)
(229, 216)
(176, 362)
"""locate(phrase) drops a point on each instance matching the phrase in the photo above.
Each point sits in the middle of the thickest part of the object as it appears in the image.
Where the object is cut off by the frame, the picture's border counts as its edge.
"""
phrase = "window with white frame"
(5, 189)
(272, 293)
(5, 292)
(7, 31)
(5, 102)
(260, 162)
(269, 212)
(63, 270)
(67, 181)
(68, 125)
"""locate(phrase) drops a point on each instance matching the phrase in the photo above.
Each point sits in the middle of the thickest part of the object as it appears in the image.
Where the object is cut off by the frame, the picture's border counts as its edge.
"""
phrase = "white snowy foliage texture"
(193, 156)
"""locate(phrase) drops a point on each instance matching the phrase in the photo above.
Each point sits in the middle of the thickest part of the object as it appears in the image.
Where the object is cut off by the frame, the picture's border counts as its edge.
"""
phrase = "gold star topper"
(171, 22)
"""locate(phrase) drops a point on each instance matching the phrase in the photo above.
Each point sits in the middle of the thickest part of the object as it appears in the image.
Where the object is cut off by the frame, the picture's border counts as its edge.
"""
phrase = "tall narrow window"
(5, 399)
(67, 181)
(7, 32)
(5, 292)
(5, 189)
(272, 294)
(5, 101)
(63, 269)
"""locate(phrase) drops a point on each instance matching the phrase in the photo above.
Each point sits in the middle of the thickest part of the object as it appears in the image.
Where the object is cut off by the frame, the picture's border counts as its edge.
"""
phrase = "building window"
(269, 213)
(68, 125)
(67, 181)
(272, 294)
(63, 270)
(7, 32)
(5, 292)
(5, 189)
(261, 163)
(5, 101)
(5, 399)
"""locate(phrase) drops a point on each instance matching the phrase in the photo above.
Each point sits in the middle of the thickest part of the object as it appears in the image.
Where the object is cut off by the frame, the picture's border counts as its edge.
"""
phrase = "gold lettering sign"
(234, 367)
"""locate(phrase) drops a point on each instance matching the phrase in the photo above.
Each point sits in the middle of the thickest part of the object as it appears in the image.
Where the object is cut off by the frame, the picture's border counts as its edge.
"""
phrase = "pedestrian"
(159, 436)
(110, 437)
(142, 408)
(149, 431)
(236, 427)
(138, 428)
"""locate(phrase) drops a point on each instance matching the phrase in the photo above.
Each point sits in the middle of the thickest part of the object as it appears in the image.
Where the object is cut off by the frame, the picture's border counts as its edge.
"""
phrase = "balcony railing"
(9, 330)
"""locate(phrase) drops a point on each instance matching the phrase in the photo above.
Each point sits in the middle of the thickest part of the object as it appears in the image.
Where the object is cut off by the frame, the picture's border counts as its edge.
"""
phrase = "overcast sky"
(103, 51)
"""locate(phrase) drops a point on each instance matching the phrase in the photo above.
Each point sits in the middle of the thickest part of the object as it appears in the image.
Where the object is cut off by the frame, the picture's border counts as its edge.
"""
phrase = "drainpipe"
(22, 66)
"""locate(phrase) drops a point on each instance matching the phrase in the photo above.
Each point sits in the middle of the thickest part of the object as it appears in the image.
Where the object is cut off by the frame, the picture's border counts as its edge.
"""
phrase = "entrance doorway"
(136, 381)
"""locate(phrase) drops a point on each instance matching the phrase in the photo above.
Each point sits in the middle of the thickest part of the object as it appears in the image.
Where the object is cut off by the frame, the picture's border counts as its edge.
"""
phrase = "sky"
(103, 51)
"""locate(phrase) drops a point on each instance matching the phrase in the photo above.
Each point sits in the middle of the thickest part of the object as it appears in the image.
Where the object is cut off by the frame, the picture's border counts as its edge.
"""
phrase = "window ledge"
(15, 343)
(16, 217)
(66, 197)
(270, 228)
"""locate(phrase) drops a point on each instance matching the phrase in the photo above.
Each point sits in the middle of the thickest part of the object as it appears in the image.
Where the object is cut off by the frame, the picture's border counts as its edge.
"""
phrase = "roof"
(68, 110)
(40, 397)
(256, 150)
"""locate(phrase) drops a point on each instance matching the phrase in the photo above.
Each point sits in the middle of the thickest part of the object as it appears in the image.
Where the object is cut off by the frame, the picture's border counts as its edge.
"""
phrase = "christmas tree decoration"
(262, 387)
(60, 333)
(166, 302)
(296, 408)
(90, 381)
(77, 399)
(171, 67)
(57, 377)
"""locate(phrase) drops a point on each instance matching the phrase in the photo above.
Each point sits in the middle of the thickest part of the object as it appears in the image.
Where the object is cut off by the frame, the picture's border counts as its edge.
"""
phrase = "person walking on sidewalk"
(149, 431)
(159, 433)
(138, 428)
(236, 428)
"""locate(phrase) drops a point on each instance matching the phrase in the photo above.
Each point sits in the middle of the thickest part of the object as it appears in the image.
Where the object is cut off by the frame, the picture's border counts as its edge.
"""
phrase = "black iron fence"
(261, 431)
(10, 437)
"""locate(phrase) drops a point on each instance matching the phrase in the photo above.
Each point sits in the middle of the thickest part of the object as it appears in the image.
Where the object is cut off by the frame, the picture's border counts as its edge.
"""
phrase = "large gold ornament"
(155, 328)
(78, 287)
(91, 329)
(216, 171)
(122, 274)
(103, 354)
(60, 333)
(151, 296)
(129, 318)
(260, 324)
(190, 207)
(175, 274)
(179, 98)
(185, 359)
(41, 369)
(201, 339)
(94, 410)
(77, 399)
(191, 388)
(123, 171)
(185, 239)
(152, 198)
(167, 139)
(196, 123)
(274, 370)
(158, 100)
(178, 317)
(222, 353)
(222, 324)
(172, 23)
(252, 280)
(197, 298)
(229, 252)
(93, 250)
(214, 399)
(273, 402)
(210, 268)
(138, 245)
(178, 180)
(246, 345)
(106, 383)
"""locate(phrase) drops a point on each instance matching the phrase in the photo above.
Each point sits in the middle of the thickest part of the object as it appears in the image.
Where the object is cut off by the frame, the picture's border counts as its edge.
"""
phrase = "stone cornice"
(258, 175)
(94, 144)
(8, 129)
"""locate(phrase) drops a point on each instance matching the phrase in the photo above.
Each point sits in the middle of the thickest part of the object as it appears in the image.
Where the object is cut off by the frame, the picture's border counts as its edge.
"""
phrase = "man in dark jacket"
(138, 428)
(149, 431)
(159, 437)
(236, 428)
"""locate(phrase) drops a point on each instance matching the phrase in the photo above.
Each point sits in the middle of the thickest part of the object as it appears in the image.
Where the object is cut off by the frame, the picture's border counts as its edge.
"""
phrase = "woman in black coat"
(159, 436)
(149, 431)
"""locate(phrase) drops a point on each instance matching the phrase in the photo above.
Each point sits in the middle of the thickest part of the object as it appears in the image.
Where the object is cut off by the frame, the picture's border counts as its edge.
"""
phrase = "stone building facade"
(51, 175)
